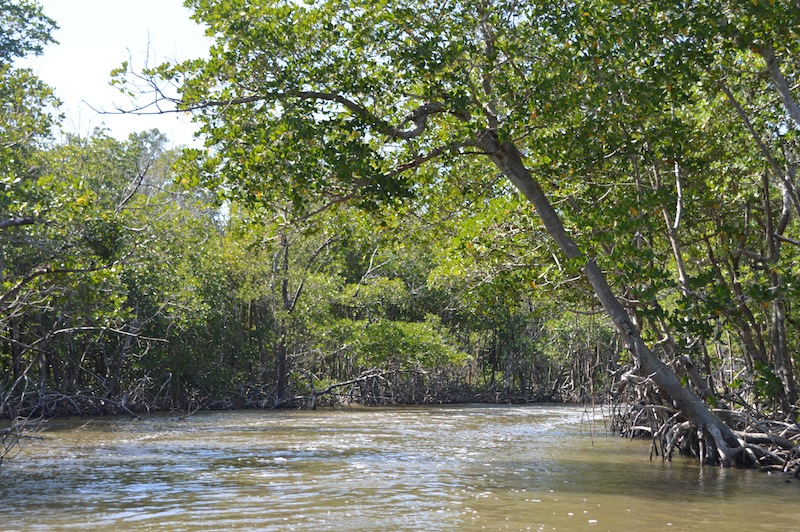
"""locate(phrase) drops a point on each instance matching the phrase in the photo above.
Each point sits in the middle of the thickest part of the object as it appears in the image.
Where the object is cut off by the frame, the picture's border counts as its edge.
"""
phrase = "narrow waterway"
(465, 467)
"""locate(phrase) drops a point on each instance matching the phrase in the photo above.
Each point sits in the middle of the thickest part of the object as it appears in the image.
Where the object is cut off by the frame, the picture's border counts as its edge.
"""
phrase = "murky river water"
(465, 467)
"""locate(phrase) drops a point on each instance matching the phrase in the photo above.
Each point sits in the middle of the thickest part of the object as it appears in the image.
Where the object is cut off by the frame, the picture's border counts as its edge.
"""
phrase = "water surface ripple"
(466, 467)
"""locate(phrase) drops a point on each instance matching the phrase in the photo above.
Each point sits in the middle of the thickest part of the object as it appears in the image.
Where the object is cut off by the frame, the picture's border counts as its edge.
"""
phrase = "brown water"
(466, 467)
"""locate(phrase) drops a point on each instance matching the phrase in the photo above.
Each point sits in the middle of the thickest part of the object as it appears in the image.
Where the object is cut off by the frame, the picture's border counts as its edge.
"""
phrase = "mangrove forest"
(396, 203)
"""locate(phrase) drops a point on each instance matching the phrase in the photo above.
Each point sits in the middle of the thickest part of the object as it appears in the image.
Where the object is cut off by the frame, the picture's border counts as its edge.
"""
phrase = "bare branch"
(136, 183)
(109, 329)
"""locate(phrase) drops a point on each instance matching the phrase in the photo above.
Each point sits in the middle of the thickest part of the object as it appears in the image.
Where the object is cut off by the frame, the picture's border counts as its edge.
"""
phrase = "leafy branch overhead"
(24, 29)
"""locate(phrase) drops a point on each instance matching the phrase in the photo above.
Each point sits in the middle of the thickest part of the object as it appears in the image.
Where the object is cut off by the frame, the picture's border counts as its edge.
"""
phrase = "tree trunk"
(280, 366)
(781, 360)
(16, 352)
(725, 444)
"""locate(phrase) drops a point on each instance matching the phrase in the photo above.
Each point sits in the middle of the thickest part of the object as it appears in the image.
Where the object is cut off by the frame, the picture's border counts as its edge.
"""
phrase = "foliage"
(24, 29)
(349, 211)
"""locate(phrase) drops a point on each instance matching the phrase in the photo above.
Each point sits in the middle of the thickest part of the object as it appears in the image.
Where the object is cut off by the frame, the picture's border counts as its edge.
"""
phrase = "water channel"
(463, 467)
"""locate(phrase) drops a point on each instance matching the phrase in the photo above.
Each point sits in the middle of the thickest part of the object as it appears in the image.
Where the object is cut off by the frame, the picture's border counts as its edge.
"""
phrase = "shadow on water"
(419, 468)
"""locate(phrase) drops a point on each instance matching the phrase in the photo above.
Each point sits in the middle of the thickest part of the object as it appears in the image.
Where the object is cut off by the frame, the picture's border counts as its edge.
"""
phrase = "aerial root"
(761, 443)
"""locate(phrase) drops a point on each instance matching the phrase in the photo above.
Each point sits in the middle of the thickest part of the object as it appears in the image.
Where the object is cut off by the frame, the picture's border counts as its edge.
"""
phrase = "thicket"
(130, 292)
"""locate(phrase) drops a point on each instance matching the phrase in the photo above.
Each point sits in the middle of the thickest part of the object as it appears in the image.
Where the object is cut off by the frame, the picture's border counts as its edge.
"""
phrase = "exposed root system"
(764, 443)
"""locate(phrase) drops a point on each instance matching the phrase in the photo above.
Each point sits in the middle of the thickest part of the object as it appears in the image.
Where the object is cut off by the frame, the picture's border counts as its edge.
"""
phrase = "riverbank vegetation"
(469, 201)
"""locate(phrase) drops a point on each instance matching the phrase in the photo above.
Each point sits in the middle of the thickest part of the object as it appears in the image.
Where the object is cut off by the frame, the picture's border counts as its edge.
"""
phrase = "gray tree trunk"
(509, 160)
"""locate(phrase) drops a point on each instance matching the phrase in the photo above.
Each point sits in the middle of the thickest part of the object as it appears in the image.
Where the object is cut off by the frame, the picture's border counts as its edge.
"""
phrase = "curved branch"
(36, 272)
(33, 274)
(16, 222)
(418, 117)
(420, 159)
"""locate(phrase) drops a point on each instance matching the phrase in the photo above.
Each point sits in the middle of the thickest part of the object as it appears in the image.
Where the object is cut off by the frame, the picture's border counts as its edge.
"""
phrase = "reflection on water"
(465, 467)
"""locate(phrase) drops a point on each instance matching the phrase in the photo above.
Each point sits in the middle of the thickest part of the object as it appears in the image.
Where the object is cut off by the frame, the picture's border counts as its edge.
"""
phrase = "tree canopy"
(24, 29)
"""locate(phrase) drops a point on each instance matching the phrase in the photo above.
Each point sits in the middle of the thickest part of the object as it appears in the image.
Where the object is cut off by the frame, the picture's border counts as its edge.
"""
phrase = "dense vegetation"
(445, 201)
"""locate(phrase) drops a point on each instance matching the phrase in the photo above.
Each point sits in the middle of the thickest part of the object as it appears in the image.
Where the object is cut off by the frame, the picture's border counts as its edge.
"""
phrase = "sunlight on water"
(466, 467)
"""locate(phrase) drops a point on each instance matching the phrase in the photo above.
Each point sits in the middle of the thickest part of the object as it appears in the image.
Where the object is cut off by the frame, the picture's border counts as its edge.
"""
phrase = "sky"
(96, 36)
